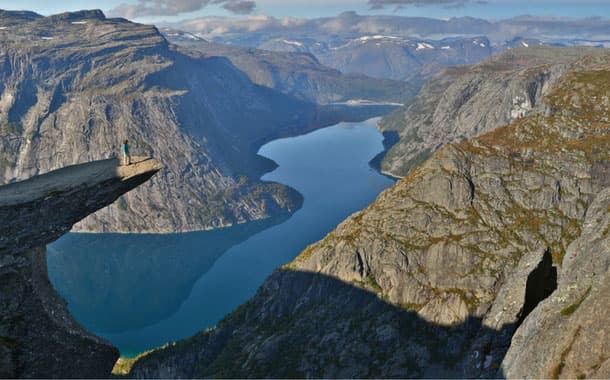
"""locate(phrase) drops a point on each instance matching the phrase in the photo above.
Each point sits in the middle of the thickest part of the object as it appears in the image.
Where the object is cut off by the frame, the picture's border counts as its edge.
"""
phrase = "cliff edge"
(38, 337)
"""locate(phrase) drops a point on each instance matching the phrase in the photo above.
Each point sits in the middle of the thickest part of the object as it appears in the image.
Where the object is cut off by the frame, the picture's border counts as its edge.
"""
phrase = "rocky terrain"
(572, 325)
(74, 85)
(464, 102)
(38, 337)
(499, 235)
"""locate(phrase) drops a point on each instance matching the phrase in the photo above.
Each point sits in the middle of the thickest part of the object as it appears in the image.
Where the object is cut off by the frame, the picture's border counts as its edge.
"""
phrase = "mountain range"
(396, 47)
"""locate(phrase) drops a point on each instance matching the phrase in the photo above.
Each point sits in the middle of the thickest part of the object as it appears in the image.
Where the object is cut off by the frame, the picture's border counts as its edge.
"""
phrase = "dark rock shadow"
(308, 325)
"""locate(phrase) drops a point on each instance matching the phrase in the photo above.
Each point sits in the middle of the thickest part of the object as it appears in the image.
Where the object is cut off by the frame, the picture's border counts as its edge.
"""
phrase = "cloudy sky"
(175, 10)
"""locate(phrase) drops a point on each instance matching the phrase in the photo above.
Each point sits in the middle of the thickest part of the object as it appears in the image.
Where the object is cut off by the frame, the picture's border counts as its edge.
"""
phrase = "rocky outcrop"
(566, 336)
(74, 86)
(464, 102)
(45, 207)
(38, 337)
(435, 276)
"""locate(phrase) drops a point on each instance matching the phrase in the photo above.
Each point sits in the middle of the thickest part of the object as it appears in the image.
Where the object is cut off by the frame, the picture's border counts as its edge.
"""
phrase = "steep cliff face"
(433, 278)
(464, 102)
(566, 336)
(73, 86)
(38, 337)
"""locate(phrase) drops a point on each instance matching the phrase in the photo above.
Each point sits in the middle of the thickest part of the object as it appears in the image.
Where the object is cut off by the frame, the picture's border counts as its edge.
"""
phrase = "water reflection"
(118, 282)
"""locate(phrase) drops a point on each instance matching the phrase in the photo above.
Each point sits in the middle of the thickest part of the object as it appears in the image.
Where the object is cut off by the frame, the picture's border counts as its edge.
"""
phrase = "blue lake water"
(140, 291)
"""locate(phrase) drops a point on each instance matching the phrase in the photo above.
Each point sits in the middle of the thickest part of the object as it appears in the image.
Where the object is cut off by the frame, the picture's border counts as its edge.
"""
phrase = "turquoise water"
(141, 291)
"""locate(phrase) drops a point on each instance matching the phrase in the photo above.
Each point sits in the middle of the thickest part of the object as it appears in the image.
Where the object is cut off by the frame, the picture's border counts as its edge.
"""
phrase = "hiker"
(126, 156)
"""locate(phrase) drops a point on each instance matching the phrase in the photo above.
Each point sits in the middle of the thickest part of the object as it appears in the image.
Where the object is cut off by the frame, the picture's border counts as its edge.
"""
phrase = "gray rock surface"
(433, 278)
(43, 208)
(38, 337)
(567, 335)
(464, 102)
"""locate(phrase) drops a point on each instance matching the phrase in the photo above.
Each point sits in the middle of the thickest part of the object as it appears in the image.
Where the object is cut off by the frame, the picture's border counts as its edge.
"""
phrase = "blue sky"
(493, 9)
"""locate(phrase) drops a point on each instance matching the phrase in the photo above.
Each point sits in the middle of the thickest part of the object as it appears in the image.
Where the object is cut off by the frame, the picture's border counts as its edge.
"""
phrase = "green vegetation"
(411, 306)
(122, 203)
(569, 310)
(123, 366)
(217, 206)
(371, 283)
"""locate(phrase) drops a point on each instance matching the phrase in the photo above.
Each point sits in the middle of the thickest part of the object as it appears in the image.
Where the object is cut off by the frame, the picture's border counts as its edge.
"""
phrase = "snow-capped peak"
(423, 45)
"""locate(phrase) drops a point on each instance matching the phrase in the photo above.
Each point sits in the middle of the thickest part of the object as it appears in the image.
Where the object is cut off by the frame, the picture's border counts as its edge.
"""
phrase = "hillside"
(74, 85)
(464, 102)
(435, 277)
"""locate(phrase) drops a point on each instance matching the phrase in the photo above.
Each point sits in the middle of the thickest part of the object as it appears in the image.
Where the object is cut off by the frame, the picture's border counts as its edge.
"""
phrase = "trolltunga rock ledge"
(39, 210)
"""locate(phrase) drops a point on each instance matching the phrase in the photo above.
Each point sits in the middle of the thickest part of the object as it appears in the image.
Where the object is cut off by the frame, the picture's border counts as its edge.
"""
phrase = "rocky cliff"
(38, 337)
(74, 85)
(566, 336)
(434, 278)
(464, 102)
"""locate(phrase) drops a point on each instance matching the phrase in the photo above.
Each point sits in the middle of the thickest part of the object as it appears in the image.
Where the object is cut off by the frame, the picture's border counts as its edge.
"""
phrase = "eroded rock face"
(465, 102)
(566, 336)
(443, 267)
(38, 337)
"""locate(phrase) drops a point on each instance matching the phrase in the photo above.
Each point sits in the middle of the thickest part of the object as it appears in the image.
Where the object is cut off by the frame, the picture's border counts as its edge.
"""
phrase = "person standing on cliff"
(126, 156)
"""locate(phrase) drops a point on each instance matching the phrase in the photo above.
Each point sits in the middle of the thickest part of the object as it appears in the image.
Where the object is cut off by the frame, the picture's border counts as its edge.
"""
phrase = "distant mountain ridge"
(398, 47)
(299, 74)
(349, 25)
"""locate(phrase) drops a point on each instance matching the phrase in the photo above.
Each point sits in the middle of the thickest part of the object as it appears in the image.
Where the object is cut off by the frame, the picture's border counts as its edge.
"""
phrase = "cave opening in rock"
(541, 282)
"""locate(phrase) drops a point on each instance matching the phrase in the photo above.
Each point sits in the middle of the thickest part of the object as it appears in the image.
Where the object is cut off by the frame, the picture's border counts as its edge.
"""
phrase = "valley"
(154, 289)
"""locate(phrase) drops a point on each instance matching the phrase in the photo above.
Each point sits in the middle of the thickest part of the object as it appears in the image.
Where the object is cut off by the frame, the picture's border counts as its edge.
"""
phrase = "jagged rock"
(566, 336)
(76, 191)
(38, 337)
(464, 102)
